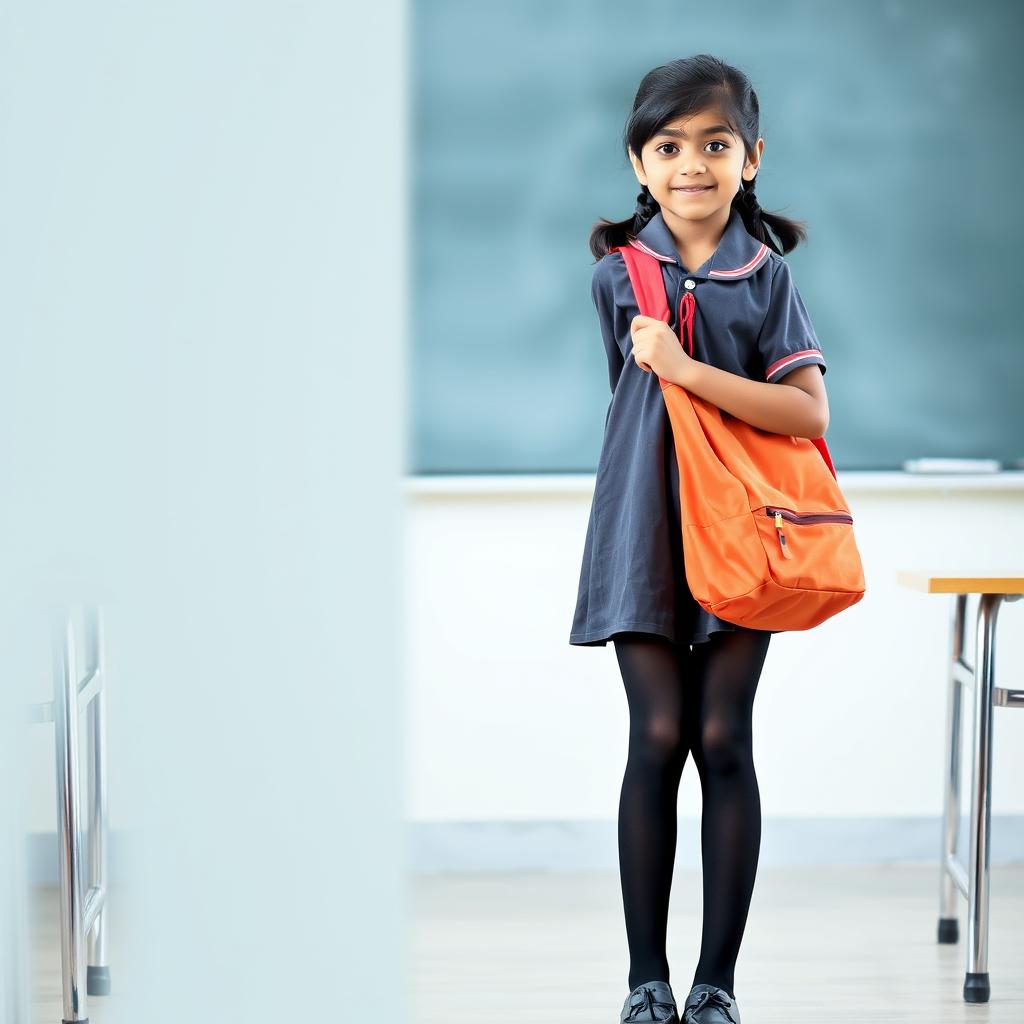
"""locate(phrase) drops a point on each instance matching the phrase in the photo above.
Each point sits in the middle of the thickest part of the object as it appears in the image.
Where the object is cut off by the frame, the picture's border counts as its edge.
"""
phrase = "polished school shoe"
(652, 1001)
(708, 1004)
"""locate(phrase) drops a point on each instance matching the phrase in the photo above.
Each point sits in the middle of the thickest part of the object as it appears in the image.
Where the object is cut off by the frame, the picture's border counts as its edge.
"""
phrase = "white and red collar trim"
(738, 254)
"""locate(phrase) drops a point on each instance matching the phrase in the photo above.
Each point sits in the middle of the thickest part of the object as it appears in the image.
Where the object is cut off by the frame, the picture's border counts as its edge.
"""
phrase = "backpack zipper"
(781, 514)
(809, 517)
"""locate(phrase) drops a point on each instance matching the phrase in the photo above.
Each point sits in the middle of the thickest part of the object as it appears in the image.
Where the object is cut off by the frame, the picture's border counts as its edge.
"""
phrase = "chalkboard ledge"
(851, 481)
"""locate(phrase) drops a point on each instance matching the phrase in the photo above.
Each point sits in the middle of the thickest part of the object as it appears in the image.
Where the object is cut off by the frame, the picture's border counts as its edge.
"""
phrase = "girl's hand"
(656, 347)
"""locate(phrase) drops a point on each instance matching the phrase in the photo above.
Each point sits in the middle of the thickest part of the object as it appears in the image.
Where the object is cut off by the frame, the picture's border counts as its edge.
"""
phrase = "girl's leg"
(728, 667)
(653, 671)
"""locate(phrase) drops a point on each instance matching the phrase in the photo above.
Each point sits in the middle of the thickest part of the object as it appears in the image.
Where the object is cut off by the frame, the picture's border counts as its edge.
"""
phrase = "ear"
(754, 163)
(638, 167)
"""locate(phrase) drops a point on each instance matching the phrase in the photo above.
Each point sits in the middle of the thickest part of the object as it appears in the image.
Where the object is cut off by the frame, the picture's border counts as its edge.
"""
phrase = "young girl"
(689, 676)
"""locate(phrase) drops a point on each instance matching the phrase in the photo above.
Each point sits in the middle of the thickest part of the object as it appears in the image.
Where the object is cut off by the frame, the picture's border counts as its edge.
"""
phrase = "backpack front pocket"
(783, 515)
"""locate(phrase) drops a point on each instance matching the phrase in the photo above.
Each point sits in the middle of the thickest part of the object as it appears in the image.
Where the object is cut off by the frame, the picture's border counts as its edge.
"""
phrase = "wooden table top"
(960, 583)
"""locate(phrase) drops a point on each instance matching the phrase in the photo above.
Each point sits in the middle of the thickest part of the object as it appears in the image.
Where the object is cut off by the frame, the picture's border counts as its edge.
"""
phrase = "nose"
(693, 165)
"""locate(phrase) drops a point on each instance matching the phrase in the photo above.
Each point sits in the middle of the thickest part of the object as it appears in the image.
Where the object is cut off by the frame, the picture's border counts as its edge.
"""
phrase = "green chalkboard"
(891, 128)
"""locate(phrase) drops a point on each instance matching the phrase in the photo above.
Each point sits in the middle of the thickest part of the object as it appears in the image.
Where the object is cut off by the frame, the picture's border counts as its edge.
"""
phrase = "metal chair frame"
(83, 925)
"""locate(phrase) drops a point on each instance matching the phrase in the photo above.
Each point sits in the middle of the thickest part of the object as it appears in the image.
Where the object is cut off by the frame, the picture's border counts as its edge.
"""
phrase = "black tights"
(679, 701)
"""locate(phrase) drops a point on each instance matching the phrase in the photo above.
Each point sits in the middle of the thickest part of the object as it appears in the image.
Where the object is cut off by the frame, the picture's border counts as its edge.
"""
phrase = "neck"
(689, 233)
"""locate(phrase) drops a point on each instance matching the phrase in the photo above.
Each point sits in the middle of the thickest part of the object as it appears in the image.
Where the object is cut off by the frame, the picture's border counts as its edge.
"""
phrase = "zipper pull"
(782, 536)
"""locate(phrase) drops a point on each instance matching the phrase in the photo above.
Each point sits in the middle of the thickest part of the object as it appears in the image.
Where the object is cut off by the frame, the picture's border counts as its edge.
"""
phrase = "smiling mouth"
(694, 191)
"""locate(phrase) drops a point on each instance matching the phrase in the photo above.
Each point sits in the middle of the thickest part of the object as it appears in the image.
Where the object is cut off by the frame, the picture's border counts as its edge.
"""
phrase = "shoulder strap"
(648, 284)
(649, 289)
(819, 443)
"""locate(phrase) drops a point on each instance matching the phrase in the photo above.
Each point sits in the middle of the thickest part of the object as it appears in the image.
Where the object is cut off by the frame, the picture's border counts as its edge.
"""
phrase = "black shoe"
(652, 1001)
(708, 1004)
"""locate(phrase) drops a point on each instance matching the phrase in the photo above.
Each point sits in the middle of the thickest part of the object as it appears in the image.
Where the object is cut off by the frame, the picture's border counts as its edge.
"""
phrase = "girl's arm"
(795, 404)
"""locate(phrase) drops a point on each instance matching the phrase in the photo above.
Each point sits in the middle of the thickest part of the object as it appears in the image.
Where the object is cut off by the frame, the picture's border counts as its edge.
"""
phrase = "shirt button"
(689, 284)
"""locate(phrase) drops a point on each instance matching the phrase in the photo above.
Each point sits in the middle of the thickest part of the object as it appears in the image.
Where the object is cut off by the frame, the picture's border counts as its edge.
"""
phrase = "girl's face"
(696, 151)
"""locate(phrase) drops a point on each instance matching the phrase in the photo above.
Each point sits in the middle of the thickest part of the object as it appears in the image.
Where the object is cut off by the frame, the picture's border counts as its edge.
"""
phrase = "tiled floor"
(841, 945)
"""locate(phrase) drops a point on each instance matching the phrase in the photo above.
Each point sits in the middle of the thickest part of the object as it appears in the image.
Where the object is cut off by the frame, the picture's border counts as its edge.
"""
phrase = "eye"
(713, 142)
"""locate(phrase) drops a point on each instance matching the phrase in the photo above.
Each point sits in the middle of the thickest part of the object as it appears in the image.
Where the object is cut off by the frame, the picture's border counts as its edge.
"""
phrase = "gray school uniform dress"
(749, 320)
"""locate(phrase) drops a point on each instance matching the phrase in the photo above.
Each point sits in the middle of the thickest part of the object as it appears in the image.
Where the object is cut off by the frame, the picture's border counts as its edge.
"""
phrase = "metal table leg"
(948, 920)
(976, 983)
(972, 881)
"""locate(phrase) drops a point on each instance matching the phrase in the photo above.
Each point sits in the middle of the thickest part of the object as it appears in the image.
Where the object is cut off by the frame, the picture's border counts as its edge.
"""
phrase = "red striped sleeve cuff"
(789, 362)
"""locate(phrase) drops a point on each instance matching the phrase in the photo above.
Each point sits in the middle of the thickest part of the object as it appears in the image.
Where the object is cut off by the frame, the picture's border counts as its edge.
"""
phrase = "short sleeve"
(602, 291)
(787, 339)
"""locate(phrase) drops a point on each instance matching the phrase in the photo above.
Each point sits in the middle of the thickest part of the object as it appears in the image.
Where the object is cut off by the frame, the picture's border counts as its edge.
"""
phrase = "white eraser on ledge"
(952, 466)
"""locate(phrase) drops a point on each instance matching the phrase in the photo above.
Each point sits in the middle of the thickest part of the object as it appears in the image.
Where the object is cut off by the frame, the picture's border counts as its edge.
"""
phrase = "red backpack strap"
(649, 289)
(819, 443)
(648, 284)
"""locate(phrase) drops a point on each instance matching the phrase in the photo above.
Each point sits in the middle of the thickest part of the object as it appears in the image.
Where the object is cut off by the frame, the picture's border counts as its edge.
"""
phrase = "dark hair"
(683, 88)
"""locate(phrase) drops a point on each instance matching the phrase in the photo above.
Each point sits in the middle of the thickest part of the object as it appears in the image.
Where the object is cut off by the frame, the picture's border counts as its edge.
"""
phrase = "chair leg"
(949, 930)
(976, 982)
(97, 978)
(65, 706)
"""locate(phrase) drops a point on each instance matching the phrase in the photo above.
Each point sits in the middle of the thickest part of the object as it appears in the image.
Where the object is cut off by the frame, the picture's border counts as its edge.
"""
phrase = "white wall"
(185, 315)
(507, 721)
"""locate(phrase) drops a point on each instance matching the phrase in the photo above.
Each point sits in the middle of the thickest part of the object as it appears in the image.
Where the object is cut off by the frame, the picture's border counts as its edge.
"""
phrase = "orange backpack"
(767, 535)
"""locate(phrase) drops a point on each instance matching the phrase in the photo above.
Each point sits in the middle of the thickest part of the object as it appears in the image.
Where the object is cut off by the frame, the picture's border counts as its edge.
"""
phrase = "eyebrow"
(679, 133)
